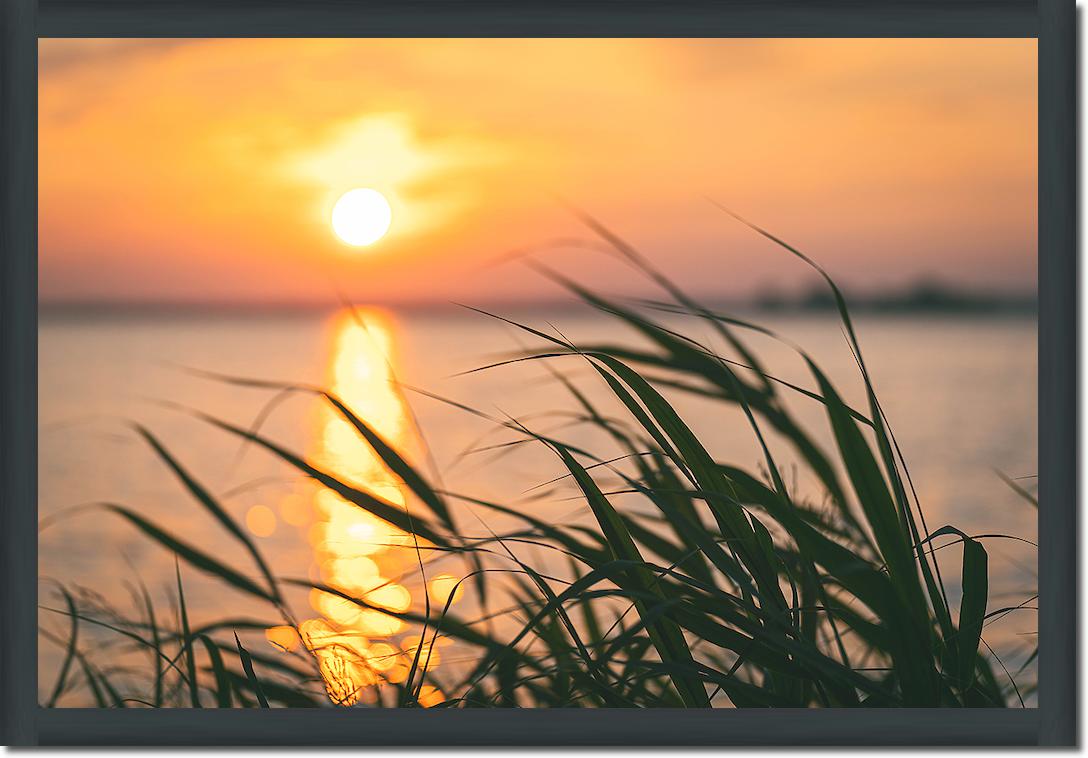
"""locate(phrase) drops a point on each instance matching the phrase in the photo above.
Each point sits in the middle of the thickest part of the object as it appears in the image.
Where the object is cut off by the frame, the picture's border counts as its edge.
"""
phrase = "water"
(960, 393)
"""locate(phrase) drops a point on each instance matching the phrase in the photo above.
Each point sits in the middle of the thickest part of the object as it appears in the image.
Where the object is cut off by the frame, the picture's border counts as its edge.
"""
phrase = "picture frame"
(1052, 724)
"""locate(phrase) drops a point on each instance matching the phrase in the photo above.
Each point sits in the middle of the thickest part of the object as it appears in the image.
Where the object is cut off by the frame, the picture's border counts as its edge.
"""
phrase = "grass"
(711, 585)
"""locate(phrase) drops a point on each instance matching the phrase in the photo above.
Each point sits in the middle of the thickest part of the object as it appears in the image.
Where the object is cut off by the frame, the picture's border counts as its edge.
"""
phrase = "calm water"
(960, 394)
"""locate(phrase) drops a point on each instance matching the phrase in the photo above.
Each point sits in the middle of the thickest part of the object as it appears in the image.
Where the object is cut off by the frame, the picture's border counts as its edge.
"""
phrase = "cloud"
(62, 56)
(426, 179)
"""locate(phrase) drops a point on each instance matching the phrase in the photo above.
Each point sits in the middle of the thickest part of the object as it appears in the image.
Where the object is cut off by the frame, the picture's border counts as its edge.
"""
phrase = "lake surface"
(960, 393)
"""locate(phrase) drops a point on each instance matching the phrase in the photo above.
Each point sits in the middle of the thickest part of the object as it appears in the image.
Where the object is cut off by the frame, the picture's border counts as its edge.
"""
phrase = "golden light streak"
(356, 553)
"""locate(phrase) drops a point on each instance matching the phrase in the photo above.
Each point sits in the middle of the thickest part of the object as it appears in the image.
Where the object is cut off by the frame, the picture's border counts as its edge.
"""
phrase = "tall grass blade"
(367, 501)
(187, 642)
(69, 653)
(222, 676)
(201, 494)
(188, 553)
(251, 675)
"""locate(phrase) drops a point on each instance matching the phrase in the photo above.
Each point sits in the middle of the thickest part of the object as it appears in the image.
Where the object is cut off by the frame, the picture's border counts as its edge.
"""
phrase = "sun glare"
(361, 217)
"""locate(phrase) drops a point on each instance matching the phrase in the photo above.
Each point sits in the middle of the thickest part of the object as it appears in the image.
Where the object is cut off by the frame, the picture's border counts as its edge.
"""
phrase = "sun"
(361, 216)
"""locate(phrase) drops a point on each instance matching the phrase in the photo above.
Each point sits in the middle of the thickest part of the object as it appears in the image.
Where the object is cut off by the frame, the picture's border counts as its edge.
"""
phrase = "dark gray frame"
(1053, 723)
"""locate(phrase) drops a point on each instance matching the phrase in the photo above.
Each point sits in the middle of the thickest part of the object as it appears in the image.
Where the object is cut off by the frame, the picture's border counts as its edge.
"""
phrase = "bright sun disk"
(361, 216)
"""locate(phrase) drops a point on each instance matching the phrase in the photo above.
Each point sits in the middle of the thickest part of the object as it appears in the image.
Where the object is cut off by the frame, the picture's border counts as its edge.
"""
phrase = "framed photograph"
(555, 374)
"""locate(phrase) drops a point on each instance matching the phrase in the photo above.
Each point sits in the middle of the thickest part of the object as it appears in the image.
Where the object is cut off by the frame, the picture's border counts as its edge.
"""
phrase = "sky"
(205, 171)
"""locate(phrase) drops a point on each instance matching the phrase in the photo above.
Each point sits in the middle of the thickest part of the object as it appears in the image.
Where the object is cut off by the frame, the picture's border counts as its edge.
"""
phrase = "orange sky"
(205, 170)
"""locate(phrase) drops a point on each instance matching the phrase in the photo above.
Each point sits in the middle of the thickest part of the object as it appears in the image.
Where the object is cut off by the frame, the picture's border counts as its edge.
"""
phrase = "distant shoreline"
(923, 297)
(920, 299)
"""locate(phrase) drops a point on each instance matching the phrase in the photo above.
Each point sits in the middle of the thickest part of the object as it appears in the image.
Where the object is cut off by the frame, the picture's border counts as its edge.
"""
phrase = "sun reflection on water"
(354, 552)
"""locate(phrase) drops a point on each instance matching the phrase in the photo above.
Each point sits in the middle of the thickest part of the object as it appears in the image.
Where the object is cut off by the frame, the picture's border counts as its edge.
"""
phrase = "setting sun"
(361, 217)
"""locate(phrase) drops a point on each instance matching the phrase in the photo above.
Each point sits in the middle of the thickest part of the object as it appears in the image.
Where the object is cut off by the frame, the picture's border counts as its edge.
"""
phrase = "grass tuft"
(699, 583)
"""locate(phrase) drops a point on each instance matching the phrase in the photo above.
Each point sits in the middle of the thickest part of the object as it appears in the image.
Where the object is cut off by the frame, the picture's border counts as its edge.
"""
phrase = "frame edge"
(1057, 375)
(19, 341)
(1058, 370)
